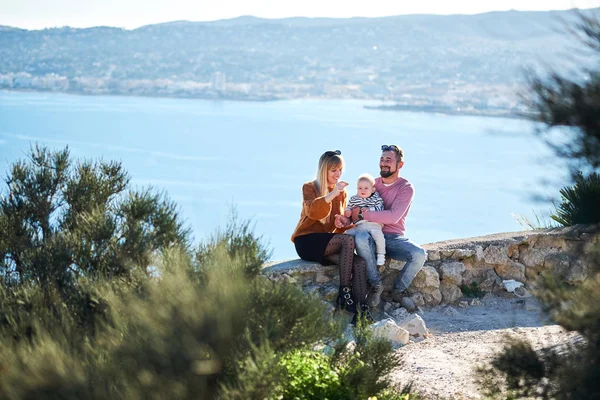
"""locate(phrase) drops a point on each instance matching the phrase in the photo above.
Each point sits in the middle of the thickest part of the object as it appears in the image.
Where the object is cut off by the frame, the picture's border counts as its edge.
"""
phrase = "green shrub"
(581, 202)
(310, 376)
(103, 298)
(472, 290)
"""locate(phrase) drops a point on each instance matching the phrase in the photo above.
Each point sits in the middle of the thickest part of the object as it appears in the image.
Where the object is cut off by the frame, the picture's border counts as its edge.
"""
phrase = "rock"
(559, 263)
(534, 258)
(491, 283)
(433, 297)
(463, 304)
(324, 349)
(330, 293)
(322, 277)
(512, 270)
(451, 272)
(522, 292)
(494, 254)
(427, 277)
(396, 265)
(446, 254)
(451, 311)
(513, 251)
(399, 314)
(388, 329)
(415, 326)
(311, 289)
(478, 253)
(475, 302)
(418, 299)
(433, 255)
(388, 307)
(577, 273)
(459, 254)
(450, 292)
(510, 285)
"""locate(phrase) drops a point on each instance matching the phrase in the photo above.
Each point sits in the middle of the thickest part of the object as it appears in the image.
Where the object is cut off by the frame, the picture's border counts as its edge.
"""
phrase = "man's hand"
(355, 212)
(341, 221)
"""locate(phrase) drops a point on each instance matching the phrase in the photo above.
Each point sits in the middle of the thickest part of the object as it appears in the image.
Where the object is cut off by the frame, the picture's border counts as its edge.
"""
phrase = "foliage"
(540, 222)
(571, 370)
(311, 376)
(472, 290)
(581, 202)
(562, 101)
(81, 317)
(239, 241)
(61, 221)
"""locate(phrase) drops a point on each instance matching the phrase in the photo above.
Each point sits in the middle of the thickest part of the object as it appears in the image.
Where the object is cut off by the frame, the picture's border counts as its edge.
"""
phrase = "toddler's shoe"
(380, 259)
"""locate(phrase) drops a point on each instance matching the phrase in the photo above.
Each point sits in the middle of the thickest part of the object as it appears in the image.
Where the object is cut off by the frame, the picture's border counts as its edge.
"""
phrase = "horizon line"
(296, 17)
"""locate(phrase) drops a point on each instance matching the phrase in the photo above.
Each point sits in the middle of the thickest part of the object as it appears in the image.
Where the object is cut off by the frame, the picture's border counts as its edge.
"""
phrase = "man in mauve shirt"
(397, 193)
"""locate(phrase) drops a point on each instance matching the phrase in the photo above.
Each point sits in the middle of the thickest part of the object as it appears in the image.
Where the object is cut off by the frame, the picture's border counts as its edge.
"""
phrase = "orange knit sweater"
(315, 208)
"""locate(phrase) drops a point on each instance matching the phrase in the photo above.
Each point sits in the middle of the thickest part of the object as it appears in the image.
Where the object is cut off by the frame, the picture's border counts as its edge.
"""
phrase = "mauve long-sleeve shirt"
(397, 199)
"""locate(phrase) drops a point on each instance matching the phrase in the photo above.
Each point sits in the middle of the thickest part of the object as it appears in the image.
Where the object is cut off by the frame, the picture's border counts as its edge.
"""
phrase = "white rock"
(510, 285)
(399, 314)
(475, 302)
(415, 326)
(388, 329)
(463, 304)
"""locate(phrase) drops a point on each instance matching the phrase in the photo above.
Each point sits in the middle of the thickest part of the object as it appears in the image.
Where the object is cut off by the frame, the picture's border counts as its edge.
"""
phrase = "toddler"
(367, 197)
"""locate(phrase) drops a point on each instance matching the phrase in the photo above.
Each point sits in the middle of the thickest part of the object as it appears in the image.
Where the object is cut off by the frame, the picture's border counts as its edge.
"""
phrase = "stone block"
(415, 326)
(433, 297)
(451, 272)
(388, 329)
(511, 270)
(427, 277)
(577, 273)
(450, 293)
(495, 254)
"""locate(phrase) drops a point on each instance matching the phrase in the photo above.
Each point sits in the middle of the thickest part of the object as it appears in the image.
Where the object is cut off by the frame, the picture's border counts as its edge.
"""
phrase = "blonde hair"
(366, 177)
(329, 159)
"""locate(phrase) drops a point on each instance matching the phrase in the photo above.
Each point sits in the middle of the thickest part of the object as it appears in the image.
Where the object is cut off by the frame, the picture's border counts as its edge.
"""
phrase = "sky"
(130, 14)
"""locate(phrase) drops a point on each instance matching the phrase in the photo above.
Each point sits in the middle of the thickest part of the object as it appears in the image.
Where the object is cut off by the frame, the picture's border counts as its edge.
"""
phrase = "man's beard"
(386, 174)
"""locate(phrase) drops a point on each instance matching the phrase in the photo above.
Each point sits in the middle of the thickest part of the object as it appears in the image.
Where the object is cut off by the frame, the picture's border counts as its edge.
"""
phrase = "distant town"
(473, 65)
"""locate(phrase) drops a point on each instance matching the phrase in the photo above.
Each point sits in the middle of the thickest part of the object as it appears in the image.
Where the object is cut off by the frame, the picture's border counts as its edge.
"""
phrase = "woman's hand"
(339, 187)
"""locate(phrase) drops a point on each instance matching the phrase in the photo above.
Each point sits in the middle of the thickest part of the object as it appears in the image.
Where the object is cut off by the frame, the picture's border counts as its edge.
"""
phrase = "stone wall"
(481, 262)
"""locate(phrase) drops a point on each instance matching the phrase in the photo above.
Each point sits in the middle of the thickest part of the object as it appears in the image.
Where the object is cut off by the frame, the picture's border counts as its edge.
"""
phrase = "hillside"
(444, 59)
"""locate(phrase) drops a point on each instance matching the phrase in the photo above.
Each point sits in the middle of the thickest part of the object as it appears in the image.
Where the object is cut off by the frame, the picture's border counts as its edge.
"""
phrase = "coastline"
(497, 113)
(444, 110)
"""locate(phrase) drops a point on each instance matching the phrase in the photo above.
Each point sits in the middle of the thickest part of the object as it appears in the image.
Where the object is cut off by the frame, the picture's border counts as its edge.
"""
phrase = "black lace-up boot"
(345, 301)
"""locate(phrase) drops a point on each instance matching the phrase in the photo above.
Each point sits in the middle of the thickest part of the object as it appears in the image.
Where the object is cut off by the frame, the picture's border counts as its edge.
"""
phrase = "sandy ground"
(443, 366)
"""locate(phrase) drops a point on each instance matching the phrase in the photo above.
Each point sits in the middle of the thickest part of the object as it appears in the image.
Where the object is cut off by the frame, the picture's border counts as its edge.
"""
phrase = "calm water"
(470, 173)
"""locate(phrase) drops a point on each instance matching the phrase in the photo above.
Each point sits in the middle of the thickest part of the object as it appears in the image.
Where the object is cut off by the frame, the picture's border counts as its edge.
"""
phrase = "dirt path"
(443, 366)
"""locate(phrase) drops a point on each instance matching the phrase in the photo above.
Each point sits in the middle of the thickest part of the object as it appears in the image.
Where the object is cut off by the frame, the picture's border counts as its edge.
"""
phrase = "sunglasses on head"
(332, 153)
(391, 147)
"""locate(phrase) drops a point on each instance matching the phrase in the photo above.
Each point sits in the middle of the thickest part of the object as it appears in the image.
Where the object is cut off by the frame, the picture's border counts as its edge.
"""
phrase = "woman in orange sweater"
(317, 239)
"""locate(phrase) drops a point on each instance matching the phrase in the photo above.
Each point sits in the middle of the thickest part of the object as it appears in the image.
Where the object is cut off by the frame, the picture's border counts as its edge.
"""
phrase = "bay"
(470, 173)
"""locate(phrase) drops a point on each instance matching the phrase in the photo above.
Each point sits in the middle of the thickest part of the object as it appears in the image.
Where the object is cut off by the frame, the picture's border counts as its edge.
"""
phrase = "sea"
(472, 175)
